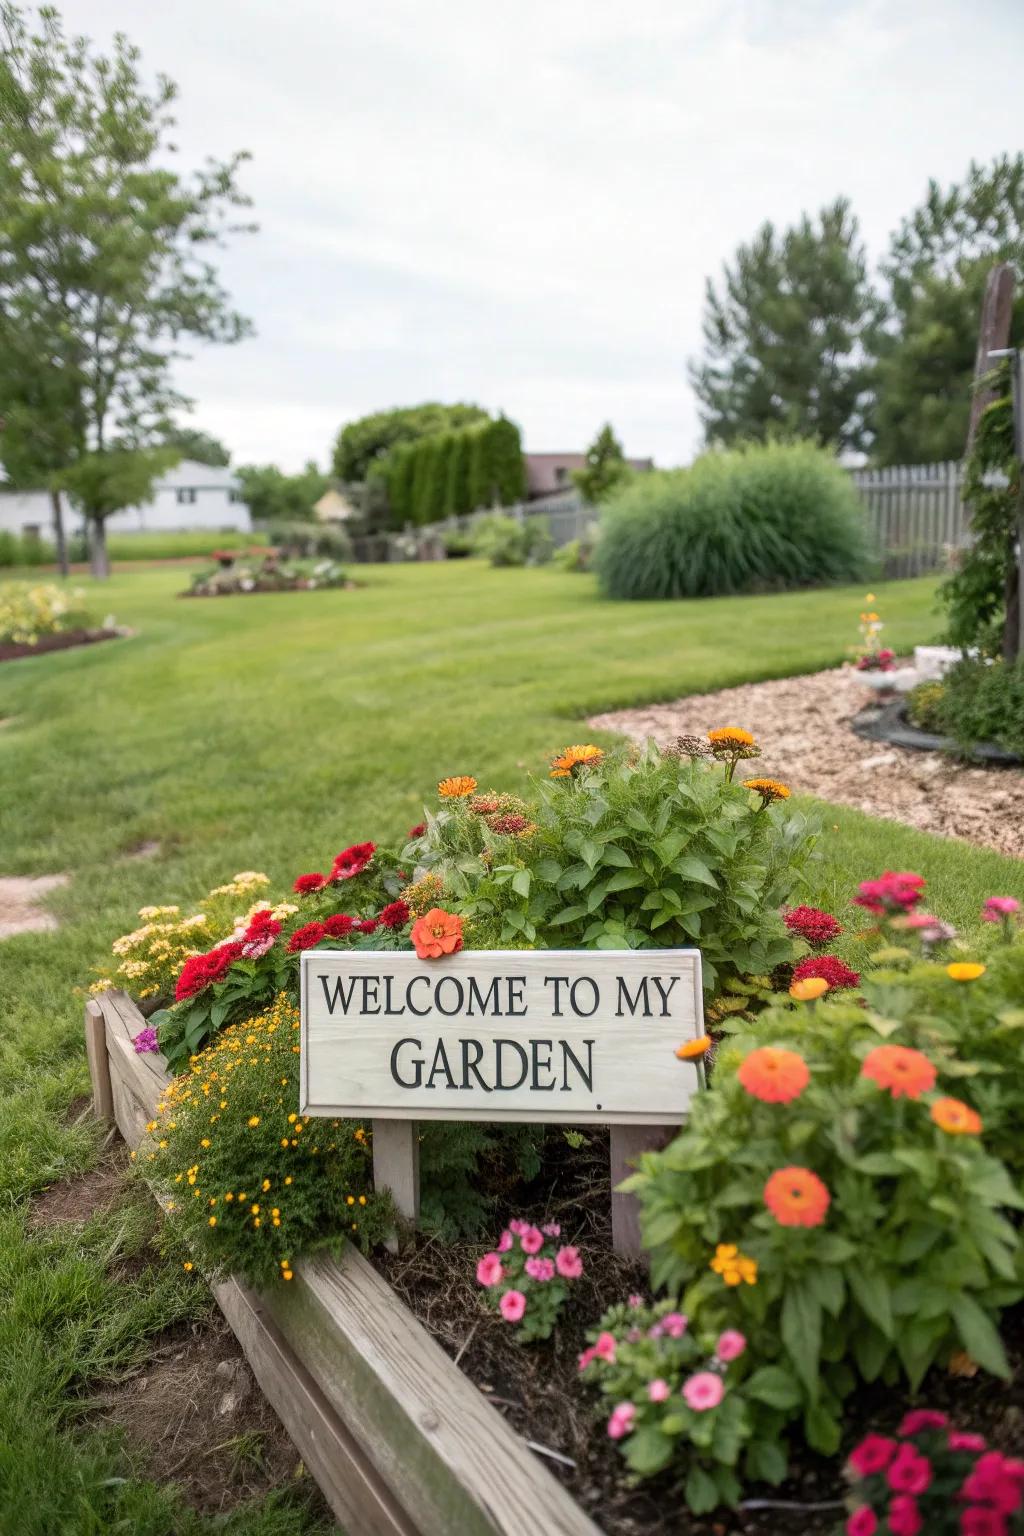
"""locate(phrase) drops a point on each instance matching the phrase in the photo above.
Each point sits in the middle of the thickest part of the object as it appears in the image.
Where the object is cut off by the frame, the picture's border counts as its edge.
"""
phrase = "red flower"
(996, 1479)
(352, 861)
(395, 915)
(259, 937)
(262, 922)
(909, 1471)
(863, 1522)
(306, 936)
(905, 1519)
(201, 971)
(339, 925)
(416, 831)
(872, 1455)
(979, 1520)
(307, 883)
(368, 925)
(814, 926)
(919, 1419)
(437, 933)
(827, 968)
(891, 893)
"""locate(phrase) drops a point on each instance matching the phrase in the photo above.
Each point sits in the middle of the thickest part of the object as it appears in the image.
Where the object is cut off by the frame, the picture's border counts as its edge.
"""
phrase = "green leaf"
(590, 852)
(625, 880)
(801, 1332)
(979, 1336)
(701, 1491)
(766, 1462)
(822, 1430)
(692, 868)
(774, 1386)
(648, 1450)
(548, 870)
(872, 1292)
(613, 854)
(567, 915)
(521, 882)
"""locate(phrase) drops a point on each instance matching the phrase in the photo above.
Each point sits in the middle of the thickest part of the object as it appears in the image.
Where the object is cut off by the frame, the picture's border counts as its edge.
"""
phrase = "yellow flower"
(965, 970)
(457, 787)
(187, 1266)
(808, 989)
(734, 1267)
(212, 1221)
(286, 1274)
(690, 1050)
(571, 760)
(768, 789)
(730, 736)
(254, 1120)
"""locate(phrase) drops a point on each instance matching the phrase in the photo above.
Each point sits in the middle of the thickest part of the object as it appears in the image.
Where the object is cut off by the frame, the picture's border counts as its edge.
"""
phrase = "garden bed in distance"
(804, 728)
(9, 651)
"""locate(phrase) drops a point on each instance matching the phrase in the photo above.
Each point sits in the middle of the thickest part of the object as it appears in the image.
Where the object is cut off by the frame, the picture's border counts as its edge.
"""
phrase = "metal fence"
(916, 514)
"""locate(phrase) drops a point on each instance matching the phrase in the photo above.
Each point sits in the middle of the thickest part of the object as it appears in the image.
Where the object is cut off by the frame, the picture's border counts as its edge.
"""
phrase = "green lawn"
(265, 733)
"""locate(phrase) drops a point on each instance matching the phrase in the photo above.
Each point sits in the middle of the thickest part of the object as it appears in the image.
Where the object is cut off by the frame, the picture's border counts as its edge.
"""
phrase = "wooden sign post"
(566, 1037)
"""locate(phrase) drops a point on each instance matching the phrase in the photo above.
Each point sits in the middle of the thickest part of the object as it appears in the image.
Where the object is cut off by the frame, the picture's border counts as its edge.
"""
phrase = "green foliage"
(309, 538)
(656, 853)
(936, 269)
(606, 468)
(924, 707)
(979, 701)
(198, 446)
(756, 519)
(274, 497)
(512, 540)
(784, 336)
(454, 472)
(373, 437)
(253, 1185)
(707, 1448)
(23, 550)
(104, 483)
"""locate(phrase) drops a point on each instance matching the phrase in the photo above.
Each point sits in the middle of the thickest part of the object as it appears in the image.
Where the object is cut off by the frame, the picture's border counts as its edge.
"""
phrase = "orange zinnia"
(774, 1076)
(730, 736)
(768, 789)
(570, 759)
(796, 1197)
(690, 1050)
(903, 1071)
(456, 787)
(437, 933)
(956, 1117)
(808, 989)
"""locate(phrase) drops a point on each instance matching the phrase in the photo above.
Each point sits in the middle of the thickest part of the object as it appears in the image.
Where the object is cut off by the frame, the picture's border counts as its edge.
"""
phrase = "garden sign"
(561, 1036)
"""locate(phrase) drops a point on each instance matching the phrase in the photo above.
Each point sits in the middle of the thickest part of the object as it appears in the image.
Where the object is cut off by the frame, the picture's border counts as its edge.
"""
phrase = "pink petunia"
(703, 1391)
(908, 1472)
(905, 1519)
(552, 1229)
(635, 1301)
(996, 1480)
(490, 1270)
(918, 1419)
(863, 1522)
(981, 1520)
(512, 1306)
(658, 1390)
(604, 1349)
(621, 1421)
(731, 1345)
(568, 1263)
(540, 1269)
(872, 1455)
(517, 1226)
(505, 1241)
(675, 1324)
(531, 1240)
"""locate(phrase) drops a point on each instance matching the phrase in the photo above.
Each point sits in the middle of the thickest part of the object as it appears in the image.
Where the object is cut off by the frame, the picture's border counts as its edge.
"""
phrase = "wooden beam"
(396, 1168)
(99, 1066)
(627, 1143)
(993, 336)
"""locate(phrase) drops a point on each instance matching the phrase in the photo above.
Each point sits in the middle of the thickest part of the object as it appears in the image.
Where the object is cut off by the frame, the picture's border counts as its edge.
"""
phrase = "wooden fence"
(916, 515)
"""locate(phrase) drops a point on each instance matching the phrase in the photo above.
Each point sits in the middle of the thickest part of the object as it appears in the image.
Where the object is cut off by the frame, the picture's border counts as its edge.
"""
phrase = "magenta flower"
(552, 1229)
(905, 1519)
(658, 1390)
(997, 1480)
(674, 1324)
(540, 1269)
(255, 949)
(703, 1391)
(512, 1305)
(146, 1040)
(918, 1419)
(505, 1241)
(890, 893)
(730, 1346)
(961, 1440)
(568, 1263)
(863, 1522)
(981, 1520)
(872, 1455)
(490, 1270)
(531, 1240)
(604, 1349)
(621, 1421)
(909, 1472)
(998, 907)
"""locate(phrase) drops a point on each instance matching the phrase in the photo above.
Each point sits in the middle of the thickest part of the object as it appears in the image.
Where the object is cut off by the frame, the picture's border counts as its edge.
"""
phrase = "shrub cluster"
(511, 541)
(453, 472)
(978, 701)
(28, 613)
(234, 576)
(24, 549)
(763, 518)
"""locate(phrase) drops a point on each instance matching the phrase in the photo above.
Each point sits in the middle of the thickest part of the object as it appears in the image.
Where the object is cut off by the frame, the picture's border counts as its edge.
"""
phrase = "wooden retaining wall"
(399, 1440)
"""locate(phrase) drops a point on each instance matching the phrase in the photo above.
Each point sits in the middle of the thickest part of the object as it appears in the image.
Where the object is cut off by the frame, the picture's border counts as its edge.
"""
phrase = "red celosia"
(827, 968)
(339, 925)
(416, 831)
(891, 893)
(813, 925)
(395, 915)
(307, 883)
(508, 826)
(352, 861)
(368, 925)
(306, 936)
(200, 971)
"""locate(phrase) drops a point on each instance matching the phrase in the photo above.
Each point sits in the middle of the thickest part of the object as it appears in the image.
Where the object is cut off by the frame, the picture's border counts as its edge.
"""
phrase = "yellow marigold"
(808, 989)
(457, 787)
(572, 759)
(768, 789)
(734, 1267)
(730, 736)
(691, 1050)
(965, 970)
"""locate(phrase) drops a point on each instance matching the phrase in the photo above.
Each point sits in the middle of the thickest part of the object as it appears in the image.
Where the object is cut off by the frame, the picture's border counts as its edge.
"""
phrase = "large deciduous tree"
(784, 336)
(104, 262)
(274, 497)
(200, 447)
(936, 271)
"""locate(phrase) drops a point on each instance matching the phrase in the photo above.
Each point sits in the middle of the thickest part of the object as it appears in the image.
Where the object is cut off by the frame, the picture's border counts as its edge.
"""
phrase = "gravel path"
(802, 726)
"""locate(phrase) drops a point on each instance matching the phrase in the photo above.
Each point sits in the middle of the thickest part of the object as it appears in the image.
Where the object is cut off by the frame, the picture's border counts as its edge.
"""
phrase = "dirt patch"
(802, 724)
(20, 898)
(62, 642)
(196, 1414)
(146, 850)
(84, 1196)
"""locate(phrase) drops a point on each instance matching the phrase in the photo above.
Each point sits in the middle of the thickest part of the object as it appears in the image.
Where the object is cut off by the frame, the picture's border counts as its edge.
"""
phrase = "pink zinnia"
(658, 1390)
(674, 1324)
(621, 1421)
(863, 1522)
(996, 1479)
(730, 1346)
(998, 907)
(918, 1419)
(891, 893)
(872, 1455)
(505, 1241)
(512, 1305)
(904, 1517)
(961, 1440)
(908, 1472)
(703, 1391)
(568, 1263)
(255, 949)
(540, 1269)
(531, 1240)
(490, 1270)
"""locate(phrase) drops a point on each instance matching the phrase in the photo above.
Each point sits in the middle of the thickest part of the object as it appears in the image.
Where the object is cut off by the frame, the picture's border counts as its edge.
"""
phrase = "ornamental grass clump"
(252, 1185)
(527, 1278)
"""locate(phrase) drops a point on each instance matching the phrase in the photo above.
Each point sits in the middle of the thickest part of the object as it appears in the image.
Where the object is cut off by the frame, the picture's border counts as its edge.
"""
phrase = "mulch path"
(802, 725)
(61, 642)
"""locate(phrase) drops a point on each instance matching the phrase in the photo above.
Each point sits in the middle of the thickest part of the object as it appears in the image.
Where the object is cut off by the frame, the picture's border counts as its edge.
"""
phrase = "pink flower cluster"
(146, 1040)
(1001, 909)
(890, 893)
(896, 1475)
(519, 1258)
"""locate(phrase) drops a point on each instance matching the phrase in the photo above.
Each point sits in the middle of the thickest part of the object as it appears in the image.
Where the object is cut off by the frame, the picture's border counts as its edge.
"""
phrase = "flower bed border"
(888, 722)
(66, 640)
(400, 1442)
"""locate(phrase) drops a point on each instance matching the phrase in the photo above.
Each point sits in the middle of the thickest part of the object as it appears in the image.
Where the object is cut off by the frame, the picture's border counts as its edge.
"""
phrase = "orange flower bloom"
(690, 1050)
(965, 970)
(734, 1267)
(956, 1117)
(808, 989)
(768, 789)
(774, 1076)
(730, 736)
(437, 933)
(572, 759)
(796, 1197)
(903, 1071)
(456, 788)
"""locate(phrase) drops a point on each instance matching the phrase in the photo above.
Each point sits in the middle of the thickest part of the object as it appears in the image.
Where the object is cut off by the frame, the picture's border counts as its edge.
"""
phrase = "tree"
(936, 270)
(606, 467)
(372, 437)
(784, 336)
(103, 482)
(274, 497)
(198, 446)
(103, 258)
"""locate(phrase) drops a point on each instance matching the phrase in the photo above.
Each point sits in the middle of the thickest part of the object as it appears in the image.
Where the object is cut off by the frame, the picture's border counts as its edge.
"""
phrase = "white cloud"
(519, 204)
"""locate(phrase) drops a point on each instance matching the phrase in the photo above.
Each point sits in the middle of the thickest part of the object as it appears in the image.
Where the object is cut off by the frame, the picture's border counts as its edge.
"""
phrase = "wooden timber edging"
(400, 1442)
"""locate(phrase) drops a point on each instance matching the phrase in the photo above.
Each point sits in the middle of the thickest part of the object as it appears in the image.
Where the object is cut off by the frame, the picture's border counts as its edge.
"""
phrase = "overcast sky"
(517, 204)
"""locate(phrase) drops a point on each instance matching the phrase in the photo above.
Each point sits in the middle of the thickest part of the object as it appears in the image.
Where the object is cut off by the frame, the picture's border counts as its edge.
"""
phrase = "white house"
(188, 496)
